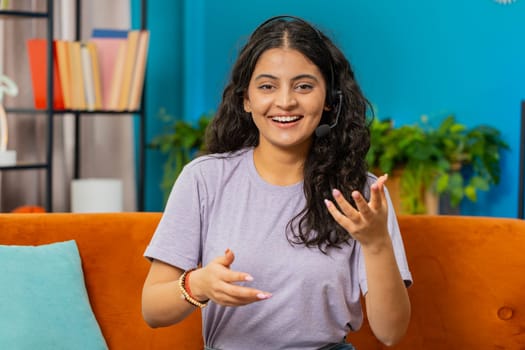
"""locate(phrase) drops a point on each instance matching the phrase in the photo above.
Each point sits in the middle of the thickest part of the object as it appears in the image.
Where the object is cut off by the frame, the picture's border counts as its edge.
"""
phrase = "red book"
(37, 51)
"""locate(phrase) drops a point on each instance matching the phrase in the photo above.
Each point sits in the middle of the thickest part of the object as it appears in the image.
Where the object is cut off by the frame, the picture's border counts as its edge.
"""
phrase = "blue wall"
(410, 57)
(163, 84)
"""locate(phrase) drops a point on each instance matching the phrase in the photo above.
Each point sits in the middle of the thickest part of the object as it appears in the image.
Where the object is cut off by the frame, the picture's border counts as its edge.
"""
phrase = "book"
(95, 68)
(129, 65)
(107, 48)
(37, 51)
(137, 81)
(63, 63)
(116, 80)
(109, 33)
(78, 95)
(87, 74)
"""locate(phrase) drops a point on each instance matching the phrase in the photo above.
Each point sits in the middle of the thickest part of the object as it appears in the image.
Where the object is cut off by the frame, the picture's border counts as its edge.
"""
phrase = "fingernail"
(327, 203)
(248, 278)
(336, 193)
(355, 195)
(227, 251)
(263, 296)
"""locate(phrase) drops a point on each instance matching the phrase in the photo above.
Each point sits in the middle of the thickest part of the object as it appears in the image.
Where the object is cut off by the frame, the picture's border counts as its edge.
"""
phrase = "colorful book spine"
(87, 73)
(111, 47)
(109, 33)
(77, 76)
(64, 70)
(37, 51)
(129, 66)
(137, 83)
(95, 68)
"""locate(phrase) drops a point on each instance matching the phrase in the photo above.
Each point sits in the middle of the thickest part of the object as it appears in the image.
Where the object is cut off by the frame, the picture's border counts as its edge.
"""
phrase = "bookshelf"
(50, 112)
(140, 113)
(47, 165)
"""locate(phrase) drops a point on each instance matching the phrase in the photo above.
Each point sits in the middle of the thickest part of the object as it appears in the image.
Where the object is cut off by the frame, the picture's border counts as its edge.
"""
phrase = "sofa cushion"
(43, 299)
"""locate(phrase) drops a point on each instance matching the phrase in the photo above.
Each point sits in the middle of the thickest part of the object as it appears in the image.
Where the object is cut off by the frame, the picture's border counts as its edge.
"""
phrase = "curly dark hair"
(336, 160)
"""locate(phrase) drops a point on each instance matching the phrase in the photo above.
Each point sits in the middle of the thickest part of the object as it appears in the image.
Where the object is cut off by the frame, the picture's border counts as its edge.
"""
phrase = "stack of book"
(104, 73)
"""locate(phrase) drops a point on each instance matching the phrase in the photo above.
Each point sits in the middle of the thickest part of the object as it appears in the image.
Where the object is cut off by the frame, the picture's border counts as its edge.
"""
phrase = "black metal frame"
(48, 165)
(521, 178)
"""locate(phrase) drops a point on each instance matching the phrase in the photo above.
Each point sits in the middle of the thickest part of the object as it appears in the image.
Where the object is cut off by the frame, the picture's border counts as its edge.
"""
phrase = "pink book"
(107, 49)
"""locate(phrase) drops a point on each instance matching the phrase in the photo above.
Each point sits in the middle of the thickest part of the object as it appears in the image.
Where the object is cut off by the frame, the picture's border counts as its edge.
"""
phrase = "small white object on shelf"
(96, 195)
(7, 158)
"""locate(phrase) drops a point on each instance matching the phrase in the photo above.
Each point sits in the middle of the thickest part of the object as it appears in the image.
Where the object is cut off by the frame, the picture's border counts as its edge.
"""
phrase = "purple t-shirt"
(221, 202)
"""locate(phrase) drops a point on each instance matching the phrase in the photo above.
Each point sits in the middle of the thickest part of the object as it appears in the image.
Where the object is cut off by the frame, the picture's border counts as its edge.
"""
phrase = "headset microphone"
(323, 129)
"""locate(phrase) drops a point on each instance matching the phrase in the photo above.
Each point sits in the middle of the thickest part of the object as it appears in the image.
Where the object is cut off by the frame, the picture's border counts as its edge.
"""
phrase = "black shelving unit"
(139, 113)
(50, 112)
(47, 166)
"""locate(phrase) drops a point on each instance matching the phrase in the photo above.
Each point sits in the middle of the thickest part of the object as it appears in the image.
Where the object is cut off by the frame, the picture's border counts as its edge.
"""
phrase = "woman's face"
(286, 97)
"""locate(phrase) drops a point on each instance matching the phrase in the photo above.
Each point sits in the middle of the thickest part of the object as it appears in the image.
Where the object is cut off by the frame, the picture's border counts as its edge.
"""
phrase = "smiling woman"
(271, 183)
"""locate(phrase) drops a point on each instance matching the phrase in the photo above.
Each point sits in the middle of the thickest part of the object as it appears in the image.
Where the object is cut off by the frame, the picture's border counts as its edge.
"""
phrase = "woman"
(280, 228)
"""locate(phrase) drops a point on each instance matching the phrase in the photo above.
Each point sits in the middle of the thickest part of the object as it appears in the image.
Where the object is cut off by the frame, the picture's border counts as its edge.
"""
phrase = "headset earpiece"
(336, 97)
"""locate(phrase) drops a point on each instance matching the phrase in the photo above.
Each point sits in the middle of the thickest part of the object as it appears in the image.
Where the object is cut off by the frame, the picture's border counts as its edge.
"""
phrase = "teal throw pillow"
(43, 300)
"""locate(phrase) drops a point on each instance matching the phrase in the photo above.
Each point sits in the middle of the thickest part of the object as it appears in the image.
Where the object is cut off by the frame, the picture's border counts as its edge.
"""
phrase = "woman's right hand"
(216, 282)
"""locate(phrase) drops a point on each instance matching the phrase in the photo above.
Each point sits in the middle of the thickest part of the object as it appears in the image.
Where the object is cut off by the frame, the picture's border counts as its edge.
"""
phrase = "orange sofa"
(468, 292)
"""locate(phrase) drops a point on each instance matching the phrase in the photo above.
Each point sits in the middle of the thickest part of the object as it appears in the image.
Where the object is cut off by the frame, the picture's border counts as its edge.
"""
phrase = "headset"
(323, 129)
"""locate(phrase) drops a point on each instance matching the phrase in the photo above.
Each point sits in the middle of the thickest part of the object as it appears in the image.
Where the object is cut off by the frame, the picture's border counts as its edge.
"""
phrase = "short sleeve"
(177, 238)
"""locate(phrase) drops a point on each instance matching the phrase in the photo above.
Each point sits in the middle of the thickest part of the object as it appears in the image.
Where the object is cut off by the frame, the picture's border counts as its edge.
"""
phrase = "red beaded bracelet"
(186, 292)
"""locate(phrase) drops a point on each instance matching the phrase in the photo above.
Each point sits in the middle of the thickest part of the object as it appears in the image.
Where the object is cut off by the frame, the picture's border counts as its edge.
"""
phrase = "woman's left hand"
(367, 224)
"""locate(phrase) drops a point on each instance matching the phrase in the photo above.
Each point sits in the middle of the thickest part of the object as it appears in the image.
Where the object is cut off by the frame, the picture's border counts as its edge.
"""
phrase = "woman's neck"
(279, 167)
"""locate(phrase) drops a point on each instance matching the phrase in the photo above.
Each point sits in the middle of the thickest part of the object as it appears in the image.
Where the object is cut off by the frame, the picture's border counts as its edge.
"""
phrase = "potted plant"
(450, 161)
(181, 142)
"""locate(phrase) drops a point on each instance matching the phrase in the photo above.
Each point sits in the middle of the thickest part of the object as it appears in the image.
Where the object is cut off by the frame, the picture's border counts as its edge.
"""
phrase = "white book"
(87, 73)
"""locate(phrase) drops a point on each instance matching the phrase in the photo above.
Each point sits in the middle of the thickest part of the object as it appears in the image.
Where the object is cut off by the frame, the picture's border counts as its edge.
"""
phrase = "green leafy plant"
(181, 142)
(451, 160)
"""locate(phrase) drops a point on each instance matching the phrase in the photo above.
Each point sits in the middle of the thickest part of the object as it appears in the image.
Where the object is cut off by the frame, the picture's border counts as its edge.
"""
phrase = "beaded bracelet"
(187, 295)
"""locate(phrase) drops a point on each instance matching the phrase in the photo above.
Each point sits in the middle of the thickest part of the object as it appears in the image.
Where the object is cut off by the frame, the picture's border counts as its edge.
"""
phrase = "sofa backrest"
(469, 284)
(468, 292)
(111, 248)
